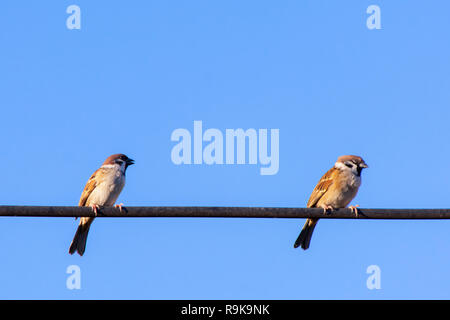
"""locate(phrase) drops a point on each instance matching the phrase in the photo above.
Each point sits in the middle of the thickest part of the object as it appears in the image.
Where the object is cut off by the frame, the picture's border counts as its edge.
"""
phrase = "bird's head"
(120, 160)
(351, 162)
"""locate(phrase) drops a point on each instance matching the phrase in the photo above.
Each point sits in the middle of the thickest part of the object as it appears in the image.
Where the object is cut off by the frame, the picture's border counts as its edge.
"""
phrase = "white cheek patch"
(115, 166)
(344, 167)
(340, 165)
(119, 169)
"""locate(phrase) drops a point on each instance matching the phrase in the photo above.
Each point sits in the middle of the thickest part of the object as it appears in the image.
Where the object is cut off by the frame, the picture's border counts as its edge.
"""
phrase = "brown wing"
(90, 185)
(324, 184)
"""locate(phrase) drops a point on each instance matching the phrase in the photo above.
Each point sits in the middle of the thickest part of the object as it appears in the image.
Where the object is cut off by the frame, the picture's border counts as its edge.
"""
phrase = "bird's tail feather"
(304, 238)
(80, 238)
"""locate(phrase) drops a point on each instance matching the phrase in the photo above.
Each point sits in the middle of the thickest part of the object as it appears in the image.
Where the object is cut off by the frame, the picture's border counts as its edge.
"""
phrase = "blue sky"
(312, 69)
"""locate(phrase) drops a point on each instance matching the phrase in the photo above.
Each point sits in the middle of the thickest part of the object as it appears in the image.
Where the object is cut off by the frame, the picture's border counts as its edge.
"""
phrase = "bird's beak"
(363, 165)
(130, 162)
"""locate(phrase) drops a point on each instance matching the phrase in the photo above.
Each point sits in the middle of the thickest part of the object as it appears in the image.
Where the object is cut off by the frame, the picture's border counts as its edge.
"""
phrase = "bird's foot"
(327, 209)
(95, 208)
(354, 209)
(120, 206)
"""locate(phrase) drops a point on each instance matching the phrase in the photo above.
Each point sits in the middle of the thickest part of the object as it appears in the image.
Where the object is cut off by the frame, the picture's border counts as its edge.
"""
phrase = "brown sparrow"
(102, 189)
(335, 190)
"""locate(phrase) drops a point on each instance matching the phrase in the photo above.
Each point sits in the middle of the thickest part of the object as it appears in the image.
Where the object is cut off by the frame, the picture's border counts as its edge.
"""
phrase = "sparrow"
(336, 189)
(102, 189)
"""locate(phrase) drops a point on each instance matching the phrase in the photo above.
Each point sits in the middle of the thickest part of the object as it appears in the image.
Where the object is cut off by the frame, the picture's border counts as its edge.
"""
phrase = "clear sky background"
(136, 71)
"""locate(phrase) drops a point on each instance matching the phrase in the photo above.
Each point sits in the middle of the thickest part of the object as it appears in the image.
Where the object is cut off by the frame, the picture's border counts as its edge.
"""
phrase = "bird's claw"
(354, 209)
(120, 206)
(95, 209)
(327, 209)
